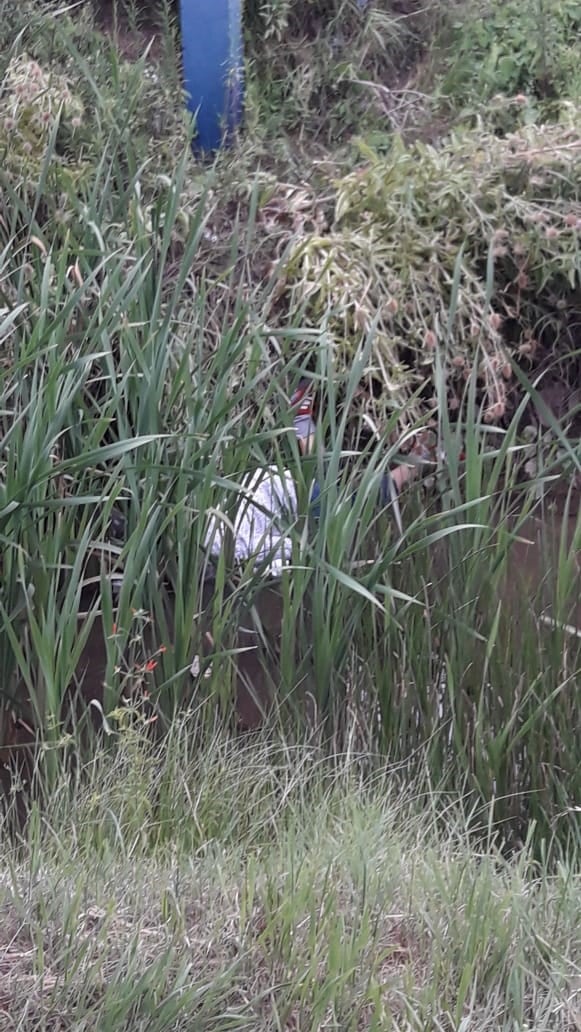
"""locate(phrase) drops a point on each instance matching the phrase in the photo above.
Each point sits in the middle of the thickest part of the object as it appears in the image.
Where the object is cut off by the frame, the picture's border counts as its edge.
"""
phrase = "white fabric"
(264, 512)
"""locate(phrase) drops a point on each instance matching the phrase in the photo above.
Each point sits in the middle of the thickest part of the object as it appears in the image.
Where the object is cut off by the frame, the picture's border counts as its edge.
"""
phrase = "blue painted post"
(213, 68)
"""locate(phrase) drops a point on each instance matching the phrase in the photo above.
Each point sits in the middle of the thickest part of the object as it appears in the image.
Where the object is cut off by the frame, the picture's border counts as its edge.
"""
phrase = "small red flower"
(150, 665)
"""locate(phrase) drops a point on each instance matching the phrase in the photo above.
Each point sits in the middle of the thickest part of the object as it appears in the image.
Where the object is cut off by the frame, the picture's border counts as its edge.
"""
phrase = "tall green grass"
(125, 385)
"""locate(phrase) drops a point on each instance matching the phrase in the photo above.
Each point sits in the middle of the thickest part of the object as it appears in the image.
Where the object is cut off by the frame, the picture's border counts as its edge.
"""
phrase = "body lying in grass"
(261, 541)
(260, 529)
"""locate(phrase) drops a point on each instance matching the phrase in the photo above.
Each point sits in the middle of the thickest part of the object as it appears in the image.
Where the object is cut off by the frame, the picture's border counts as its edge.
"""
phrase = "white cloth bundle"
(266, 509)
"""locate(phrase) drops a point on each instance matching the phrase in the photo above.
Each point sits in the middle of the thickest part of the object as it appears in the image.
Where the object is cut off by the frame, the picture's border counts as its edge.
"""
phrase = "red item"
(301, 400)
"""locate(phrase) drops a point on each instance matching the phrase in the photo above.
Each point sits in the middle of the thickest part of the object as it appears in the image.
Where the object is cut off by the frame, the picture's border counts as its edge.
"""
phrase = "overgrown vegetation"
(315, 58)
(155, 314)
(253, 886)
(513, 48)
(426, 234)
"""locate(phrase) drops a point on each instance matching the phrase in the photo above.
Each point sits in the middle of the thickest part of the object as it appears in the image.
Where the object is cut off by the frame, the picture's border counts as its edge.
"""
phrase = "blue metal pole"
(213, 68)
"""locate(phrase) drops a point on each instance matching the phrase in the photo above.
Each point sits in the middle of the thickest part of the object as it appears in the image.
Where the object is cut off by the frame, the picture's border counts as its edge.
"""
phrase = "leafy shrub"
(515, 46)
(33, 105)
(149, 339)
(484, 228)
(61, 75)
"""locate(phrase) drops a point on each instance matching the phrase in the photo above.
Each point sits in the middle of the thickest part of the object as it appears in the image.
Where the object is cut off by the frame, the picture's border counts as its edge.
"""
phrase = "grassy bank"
(259, 886)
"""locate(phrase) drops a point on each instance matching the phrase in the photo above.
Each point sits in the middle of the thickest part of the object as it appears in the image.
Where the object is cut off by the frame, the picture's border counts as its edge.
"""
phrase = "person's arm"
(402, 475)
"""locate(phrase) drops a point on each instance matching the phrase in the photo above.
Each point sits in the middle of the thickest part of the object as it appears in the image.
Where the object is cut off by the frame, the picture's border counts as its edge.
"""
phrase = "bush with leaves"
(61, 76)
(514, 46)
(483, 227)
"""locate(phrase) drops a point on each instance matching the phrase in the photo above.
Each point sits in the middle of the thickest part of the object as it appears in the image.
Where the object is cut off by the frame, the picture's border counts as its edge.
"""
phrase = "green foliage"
(313, 62)
(484, 227)
(35, 105)
(154, 315)
(258, 885)
(512, 47)
(61, 78)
